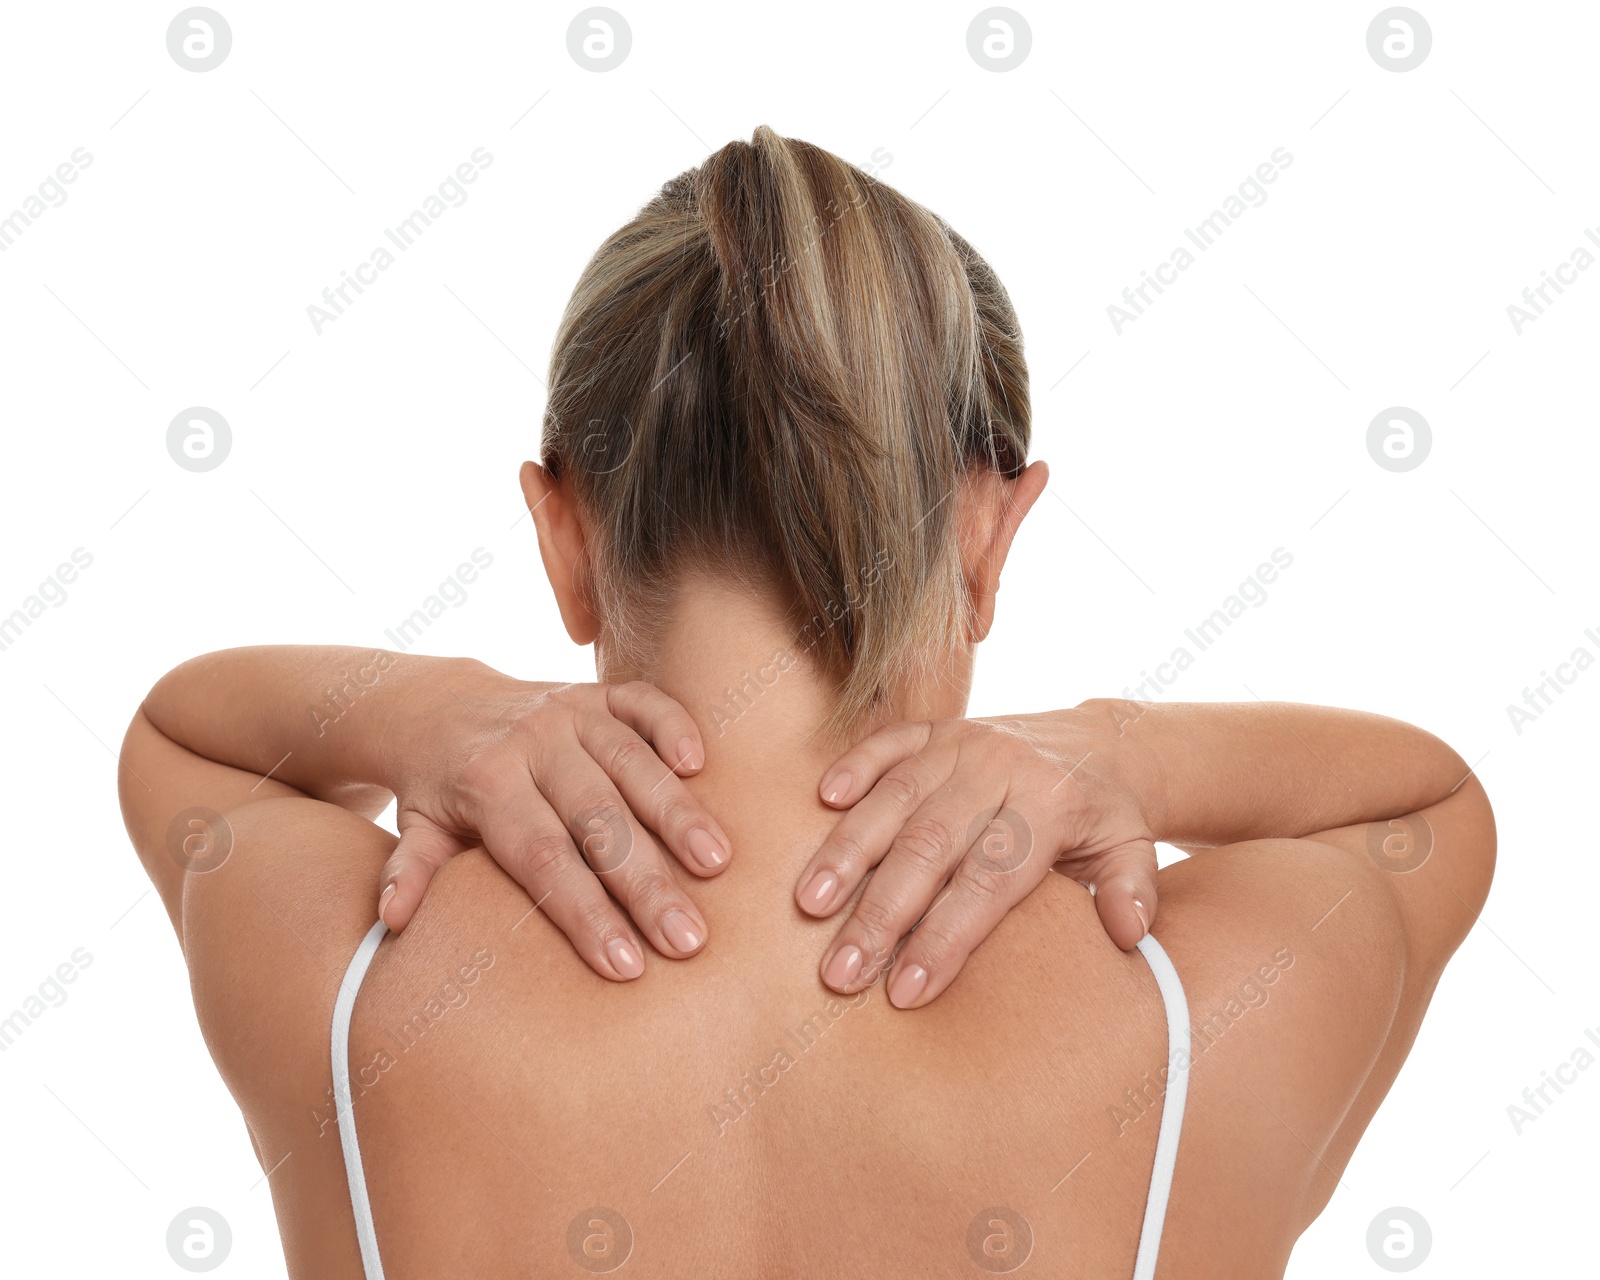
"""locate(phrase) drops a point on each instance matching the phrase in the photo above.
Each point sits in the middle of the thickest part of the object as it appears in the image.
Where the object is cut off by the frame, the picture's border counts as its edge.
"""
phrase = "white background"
(1230, 419)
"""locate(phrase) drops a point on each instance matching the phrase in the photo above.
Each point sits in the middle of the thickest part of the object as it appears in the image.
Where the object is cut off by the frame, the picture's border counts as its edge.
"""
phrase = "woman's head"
(785, 373)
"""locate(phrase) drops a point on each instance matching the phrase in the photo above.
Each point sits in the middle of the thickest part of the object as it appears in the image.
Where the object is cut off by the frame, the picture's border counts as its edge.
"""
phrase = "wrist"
(408, 696)
(440, 704)
(1124, 733)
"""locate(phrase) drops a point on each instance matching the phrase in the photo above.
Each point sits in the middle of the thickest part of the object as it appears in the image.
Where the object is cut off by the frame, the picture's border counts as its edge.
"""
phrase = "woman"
(782, 468)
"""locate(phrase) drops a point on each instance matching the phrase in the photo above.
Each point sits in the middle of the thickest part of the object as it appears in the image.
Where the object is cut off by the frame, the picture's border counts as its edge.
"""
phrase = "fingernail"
(907, 985)
(844, 966)
(1144, 917)
(624, 959)
(837, 788)
(688, 754)
(680, 931)
(705, 850)
(819, 891)
(383, 902)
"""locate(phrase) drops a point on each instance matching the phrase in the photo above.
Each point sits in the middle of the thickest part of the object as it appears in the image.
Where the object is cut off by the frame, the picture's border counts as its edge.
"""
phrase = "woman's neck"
(731, 659)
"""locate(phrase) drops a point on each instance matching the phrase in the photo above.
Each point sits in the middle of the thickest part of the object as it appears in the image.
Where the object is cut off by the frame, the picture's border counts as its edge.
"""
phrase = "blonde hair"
(779, 370)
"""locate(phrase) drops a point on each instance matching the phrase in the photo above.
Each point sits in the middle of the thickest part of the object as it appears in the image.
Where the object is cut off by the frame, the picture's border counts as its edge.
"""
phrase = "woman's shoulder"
(1292, 955)
(267, 936)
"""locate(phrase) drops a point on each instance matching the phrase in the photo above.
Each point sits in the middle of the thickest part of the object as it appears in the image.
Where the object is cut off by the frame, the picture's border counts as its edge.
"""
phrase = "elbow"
(1479, 843)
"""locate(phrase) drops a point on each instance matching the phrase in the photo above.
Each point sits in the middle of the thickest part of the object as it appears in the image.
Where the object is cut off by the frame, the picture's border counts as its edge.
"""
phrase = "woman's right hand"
(563, 785)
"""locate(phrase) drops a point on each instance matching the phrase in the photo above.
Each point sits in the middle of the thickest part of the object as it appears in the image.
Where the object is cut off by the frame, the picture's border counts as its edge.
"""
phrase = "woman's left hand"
(962, 819)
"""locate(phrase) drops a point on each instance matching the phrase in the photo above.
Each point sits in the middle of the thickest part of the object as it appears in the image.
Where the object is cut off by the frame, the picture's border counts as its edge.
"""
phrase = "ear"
(992, 512)
(562, 546)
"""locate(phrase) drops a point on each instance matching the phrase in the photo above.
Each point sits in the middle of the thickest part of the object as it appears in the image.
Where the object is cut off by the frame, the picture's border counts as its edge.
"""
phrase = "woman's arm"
(990, 806)
(533, 771)
(314, 716)
(1210, 773)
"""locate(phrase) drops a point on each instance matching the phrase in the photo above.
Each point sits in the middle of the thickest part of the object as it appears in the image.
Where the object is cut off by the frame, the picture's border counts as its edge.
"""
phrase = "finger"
(858, 770)
(656, 796)
(526, 838)
(423, 849)
(904, 889)
(860, 839)
(661, 720)
(1125, 892)
(987, 884)
(628, 862)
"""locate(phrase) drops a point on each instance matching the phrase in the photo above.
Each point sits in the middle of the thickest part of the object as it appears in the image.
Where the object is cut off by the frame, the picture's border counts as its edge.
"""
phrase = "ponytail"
(782, 364)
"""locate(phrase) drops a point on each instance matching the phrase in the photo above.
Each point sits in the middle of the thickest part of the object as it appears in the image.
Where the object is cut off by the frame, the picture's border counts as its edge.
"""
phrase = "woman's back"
(786, 433)
(732, 1116)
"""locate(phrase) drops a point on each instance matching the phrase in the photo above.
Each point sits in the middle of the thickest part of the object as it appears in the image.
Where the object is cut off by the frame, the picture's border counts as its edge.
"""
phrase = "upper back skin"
(736, 1118)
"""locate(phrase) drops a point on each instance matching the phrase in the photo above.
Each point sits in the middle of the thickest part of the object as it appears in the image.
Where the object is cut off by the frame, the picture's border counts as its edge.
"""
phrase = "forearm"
(322, 718)
(1215, 773)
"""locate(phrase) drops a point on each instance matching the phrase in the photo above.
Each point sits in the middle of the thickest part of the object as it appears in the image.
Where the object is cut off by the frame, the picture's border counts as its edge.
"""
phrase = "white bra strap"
(1155, 1207)
(366, 1233)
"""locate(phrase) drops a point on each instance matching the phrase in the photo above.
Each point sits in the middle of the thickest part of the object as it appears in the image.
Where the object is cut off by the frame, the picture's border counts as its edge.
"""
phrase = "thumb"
(424, 847)
(1125, 892)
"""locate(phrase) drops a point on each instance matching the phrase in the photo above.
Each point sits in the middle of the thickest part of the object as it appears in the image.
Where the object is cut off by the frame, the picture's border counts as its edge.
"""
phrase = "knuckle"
(544, 856)
(877, 918)
(927, 845)
(595, 917)
(602, 832)
(938, 943)
(479, 779)
(596, 805)
(843, 851)
(636, 689)
(946, 730)
(984, 884)
(541, 715)
(626, 755)
(649, 893)
(525, 714)
(899, 788)
(674, 815)
(991, 740)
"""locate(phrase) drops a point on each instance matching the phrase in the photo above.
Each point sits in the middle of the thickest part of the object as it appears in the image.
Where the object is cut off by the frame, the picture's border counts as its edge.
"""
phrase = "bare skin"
(545, 1090)
(868, 1139)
